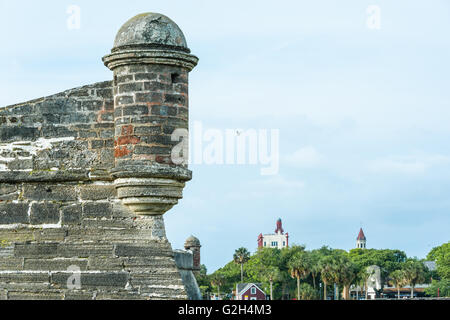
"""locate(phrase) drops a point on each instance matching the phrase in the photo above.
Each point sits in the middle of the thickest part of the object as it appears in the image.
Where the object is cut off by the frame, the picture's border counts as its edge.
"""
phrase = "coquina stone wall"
(86, 176)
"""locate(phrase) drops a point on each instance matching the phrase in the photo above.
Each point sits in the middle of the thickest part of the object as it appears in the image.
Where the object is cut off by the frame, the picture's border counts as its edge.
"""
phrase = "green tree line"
(297, 273)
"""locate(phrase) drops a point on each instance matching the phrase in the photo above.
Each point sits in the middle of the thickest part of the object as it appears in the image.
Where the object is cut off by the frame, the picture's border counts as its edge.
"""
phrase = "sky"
(362, 110)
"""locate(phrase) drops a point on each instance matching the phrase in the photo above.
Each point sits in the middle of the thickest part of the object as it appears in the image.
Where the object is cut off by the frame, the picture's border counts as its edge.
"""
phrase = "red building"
(249, 291)
(279, 239)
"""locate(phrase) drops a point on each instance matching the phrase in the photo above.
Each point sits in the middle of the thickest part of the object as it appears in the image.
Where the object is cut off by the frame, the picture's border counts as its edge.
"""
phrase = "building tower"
(193, 244)
(361, 240)
(279, 229)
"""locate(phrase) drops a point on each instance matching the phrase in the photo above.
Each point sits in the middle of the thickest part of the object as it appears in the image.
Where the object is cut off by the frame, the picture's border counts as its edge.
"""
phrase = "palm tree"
(363, 276)
(414, 272)
(361, 280)
(217, 280)
(346, 275)
(241, 256)
(299, 267)
(398, 277)
(315, 267)
(327, 273)
(271, 274)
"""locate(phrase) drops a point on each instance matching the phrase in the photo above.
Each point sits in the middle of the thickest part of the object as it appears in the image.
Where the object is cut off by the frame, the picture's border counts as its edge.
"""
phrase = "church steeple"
(361, 240)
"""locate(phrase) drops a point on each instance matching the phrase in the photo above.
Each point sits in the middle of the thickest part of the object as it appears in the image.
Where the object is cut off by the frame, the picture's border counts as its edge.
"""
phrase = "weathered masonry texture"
(86, 176)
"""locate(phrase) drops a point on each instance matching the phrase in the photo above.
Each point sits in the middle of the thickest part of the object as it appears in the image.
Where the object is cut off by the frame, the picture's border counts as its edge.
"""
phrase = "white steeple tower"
(361, 240)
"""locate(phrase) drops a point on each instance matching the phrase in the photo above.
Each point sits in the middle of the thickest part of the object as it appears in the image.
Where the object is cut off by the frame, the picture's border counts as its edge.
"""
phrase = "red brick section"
(120, 152)
(127, 130)
(124, 140)
(150, 102)
(196, 258)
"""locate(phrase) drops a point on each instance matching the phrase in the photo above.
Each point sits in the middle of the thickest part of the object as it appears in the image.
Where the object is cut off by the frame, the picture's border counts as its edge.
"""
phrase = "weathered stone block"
(148, 129)
(71, 214)
(153, 248)
(157, 86)
(125, 295)
(149, 263)
(124, 78)
(135, 110)
(97, 192)
(102, 223)
(37, 295)
(35, 250)
(12, 213)
(97, 210)
(24, 277)
(169, 279)
(20, 164)
(6, 250)
(9, 236)
(145, 76)
(44, 213)
(50, 192)
(11, 263)
(152, 97)
(131, 87)
(175, 99)
(9, 134)
(165, 140)
(93, 280)
(105, 93)
(54, 264)
(48, 234)
(97, 263)
(91, 105)
(84, 250)
(97, 144)
(124, 100)
(138, 68)
(152, 150)
(78, 295)
(107, 134)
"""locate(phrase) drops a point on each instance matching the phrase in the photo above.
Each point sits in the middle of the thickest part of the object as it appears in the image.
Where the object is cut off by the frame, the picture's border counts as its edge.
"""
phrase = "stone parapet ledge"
(164, 57)
(150, 189)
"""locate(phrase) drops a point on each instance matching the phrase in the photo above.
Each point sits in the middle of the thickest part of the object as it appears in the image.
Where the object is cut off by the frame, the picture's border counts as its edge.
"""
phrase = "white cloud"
(407, 164)
(279, 182)
(273, 186)
(305, 157)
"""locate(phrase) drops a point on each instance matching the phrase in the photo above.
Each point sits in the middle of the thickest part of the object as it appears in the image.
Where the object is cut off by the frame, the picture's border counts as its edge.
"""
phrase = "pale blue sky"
(363, 114)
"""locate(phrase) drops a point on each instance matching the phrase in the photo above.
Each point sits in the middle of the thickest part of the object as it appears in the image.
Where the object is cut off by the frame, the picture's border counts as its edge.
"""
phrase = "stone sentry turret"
(193, 244)
(87, 174)
(151, 62)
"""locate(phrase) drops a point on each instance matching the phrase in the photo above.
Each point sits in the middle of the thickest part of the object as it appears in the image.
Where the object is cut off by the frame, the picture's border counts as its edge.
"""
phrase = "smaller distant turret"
(193, 244)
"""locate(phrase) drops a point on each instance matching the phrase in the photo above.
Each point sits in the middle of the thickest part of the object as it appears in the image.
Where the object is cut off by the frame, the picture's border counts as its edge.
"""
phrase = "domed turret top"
(151, 30)
(150, 38)
(192, 242)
